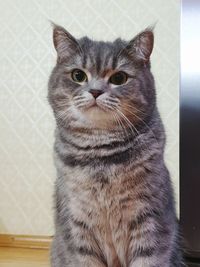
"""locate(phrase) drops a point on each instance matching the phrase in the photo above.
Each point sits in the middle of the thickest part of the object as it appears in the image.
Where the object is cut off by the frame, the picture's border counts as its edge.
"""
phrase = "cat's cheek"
(78, 117)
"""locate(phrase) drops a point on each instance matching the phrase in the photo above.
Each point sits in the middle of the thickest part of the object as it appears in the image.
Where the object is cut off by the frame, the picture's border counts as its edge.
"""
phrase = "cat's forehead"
(102, 46)
(99, 55)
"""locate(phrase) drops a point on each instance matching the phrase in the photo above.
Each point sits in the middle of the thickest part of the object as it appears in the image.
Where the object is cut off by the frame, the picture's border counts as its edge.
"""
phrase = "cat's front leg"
(147, 262)
(87, 261)
(84, 247)
(64, 254)
(151, 257)
(150, 245)
(149, 254)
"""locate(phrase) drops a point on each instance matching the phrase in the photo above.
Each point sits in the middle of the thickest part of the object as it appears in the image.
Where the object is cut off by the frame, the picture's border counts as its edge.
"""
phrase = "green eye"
(79, 76)
(118, 78)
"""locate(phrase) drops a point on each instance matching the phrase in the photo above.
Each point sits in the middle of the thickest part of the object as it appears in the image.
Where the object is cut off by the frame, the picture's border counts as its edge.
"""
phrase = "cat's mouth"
(99, 112)
(103, 103)
(97, 105)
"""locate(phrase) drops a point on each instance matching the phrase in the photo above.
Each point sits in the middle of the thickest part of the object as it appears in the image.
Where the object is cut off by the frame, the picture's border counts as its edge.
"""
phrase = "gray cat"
(114, 202)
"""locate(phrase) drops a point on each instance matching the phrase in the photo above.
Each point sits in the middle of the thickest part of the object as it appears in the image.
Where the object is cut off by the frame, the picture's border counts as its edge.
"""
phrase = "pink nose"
(95, 92)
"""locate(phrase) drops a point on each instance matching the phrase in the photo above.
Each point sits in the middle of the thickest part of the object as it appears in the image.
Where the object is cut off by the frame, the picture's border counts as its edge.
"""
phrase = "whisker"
(131, 126)
(80, 101)
(78, 97)
(61, 105)
(108, 106)
(113, 100)
(143, 123)
(62, 117)
(110, 103)
(133, 107)
(123, 127)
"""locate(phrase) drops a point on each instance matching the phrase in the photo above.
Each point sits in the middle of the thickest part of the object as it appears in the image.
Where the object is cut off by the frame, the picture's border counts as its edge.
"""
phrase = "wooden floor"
(21, 257)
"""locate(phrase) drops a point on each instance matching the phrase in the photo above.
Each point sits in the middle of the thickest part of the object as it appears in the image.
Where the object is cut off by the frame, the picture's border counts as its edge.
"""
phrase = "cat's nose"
(95, 92)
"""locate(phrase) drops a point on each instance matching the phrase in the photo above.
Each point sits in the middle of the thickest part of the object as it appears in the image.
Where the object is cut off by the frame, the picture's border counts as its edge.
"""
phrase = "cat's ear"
(65, 44)
(142, 45)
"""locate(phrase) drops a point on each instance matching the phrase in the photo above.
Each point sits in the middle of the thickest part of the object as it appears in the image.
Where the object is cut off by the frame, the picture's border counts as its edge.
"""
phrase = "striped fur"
(114, 202)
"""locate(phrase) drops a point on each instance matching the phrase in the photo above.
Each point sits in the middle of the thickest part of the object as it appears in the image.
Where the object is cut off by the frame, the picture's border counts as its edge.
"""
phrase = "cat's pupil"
(118, 78)
(79, 75)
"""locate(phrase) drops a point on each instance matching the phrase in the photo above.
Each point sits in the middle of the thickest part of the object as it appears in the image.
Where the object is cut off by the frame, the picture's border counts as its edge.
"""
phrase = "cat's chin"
(99, 117)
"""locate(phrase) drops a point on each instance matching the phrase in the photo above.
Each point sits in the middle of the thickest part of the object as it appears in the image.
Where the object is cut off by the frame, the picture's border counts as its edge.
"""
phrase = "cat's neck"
(93, 137)
(83, 137)
(75, 147)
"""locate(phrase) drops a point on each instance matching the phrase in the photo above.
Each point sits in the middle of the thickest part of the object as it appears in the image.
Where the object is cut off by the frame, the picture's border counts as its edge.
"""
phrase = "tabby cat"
(114, 203)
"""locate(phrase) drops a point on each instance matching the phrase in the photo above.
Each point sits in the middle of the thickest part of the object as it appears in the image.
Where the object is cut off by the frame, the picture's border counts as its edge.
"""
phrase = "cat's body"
(114, 201)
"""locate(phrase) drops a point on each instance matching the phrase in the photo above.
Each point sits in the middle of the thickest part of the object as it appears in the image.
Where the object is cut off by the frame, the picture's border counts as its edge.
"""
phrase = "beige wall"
(26, 123)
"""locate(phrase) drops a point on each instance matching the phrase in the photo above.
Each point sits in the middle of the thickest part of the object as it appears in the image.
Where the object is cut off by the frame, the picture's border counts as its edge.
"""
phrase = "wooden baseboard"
(25, 241)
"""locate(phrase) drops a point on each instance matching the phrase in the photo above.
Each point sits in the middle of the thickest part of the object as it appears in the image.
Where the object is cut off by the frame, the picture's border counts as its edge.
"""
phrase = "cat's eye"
(79, 76)
(118, 78)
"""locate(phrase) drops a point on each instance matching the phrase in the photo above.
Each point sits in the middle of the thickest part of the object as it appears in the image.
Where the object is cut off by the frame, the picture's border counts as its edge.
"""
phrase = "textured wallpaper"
(26, 122)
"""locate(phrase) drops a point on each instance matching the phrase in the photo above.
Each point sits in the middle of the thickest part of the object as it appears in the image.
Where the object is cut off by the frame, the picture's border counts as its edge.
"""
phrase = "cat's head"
(101, 84)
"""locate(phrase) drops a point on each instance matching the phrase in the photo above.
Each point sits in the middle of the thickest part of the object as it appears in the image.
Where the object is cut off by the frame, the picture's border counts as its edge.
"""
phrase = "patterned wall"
(26, 123)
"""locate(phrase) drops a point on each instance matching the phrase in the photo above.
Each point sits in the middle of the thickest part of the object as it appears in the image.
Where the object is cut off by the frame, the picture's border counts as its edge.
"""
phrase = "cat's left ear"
(141, 46)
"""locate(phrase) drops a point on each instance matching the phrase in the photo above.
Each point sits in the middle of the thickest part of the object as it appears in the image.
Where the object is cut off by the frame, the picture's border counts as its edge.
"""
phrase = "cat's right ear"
(65, 44)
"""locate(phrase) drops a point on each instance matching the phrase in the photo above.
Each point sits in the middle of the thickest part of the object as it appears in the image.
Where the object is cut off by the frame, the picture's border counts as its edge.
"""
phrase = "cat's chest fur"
(107, 206)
